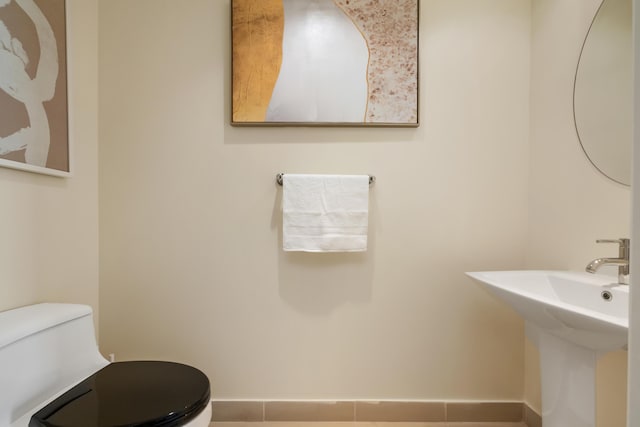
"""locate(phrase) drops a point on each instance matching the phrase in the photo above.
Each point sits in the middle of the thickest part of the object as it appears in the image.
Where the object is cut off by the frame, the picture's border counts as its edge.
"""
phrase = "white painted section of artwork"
(323, 77)
(15, 81)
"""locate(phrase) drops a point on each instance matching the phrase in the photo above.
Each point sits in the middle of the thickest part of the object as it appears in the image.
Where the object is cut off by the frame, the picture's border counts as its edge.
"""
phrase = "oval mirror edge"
(575, 121)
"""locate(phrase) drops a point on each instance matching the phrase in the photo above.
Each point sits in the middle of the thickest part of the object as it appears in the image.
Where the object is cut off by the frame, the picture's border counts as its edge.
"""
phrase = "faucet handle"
(621, 241)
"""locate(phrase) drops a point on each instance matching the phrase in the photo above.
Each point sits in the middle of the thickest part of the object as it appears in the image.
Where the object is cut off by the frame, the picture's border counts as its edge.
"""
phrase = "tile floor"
(359, 424)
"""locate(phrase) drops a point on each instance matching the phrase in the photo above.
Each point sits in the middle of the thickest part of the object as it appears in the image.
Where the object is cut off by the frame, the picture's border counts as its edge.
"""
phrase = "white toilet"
(51, 374)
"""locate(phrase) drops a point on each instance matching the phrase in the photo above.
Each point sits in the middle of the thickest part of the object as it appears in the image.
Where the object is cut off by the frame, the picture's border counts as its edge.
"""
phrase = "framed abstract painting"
(325, 62)
(34, 123)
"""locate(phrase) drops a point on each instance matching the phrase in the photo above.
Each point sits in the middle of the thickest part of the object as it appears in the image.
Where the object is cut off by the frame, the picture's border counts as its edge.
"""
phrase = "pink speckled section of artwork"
(390, 28)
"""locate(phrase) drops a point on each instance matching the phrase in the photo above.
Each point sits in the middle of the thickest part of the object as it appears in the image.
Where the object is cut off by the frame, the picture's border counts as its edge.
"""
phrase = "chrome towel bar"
(280, 176)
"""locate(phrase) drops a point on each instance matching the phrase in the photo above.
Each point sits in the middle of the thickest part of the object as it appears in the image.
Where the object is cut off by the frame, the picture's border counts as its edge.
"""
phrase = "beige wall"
(571, 204)
(191, 265)
(49, 248)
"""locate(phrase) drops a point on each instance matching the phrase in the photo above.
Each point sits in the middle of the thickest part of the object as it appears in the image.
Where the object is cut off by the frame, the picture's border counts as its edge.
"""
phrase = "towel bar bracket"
(280, 176)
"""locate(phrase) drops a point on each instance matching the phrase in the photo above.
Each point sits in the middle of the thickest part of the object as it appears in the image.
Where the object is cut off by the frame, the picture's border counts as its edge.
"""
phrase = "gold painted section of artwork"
(390, 28)
(258, 29)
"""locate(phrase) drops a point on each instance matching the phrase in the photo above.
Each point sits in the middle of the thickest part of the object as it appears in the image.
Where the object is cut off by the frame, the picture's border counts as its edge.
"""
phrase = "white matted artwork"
(325, 62)
(34, 125)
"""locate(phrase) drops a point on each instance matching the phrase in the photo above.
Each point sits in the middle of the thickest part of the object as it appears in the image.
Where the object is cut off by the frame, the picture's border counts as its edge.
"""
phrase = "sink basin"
(572, 318)
(569, 305)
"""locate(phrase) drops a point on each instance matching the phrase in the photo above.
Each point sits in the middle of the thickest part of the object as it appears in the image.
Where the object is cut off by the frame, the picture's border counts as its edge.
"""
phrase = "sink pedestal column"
(568, 381)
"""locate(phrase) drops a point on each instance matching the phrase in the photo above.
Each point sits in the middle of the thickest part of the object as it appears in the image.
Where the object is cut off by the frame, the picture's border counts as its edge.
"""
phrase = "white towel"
(325, 213)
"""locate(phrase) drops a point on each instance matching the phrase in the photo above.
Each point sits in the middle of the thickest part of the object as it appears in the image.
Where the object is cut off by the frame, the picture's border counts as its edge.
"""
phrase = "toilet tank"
(44, 349)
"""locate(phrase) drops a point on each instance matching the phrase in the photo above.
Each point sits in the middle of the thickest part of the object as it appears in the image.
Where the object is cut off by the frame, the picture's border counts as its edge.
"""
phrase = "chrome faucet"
(622, 261)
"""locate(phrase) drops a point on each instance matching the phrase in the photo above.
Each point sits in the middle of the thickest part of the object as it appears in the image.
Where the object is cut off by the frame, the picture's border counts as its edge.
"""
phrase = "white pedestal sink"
(572, 318)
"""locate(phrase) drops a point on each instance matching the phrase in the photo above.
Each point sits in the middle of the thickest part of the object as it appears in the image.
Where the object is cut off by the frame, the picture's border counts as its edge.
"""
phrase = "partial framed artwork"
(34, 116)
(325, 62)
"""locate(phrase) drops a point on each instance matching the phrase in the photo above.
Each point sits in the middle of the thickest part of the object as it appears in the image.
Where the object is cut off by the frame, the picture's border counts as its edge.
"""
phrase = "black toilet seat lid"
(130, 394)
